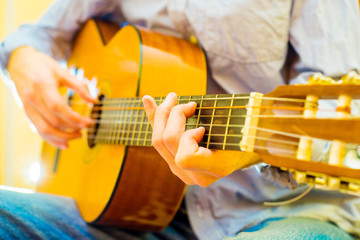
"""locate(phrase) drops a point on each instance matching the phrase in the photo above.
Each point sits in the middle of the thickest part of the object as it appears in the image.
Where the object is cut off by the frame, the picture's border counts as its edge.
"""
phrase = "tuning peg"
(333, 183)
(320, 79)
(305, 144)
(354, 187)
(351, 78)
(338, 148)
(300, 177)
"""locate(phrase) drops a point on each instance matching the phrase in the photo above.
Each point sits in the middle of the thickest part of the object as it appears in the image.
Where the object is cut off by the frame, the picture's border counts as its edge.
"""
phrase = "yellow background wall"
(19, 146)
(2, 97)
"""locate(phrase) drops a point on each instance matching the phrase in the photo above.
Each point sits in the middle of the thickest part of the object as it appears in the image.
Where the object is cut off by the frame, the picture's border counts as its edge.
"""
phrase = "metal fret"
(212, 134)
(211, 143)
(189, 99)
(216, 113)
(212, 121)
(111, 118)
(191, 124)
(123, 124)
(130, 122)
(236, 121)
(146, 135)
(113, 127)
(206, 97)
(141, 125)
(228, 121)
(198, 117)
(135, 125)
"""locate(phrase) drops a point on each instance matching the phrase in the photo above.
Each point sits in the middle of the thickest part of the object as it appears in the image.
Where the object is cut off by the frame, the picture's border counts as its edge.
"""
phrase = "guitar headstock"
(310, 130)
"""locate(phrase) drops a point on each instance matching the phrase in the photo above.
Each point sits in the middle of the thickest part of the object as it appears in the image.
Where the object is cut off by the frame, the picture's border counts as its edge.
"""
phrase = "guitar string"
(136, 131)
(216, 135)
(128, 101)
(209, 145)
(134, 124)
(129, 131)
(92, 136)
(127, 119)
(139, 100)
(109, 116)
(296, 136)
(348, 146)
(220, 97)
(130, 139)
(223, 145)
(109, 119)
(115, 108)
(149, 141)
(187, 125)
(211, 135)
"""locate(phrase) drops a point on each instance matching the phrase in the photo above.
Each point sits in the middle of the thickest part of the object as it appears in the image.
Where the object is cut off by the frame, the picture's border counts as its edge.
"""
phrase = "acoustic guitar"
(118, 179)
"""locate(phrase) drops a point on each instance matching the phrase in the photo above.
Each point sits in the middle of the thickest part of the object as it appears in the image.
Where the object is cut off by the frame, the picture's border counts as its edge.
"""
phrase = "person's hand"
(37, 78)
(194, 165)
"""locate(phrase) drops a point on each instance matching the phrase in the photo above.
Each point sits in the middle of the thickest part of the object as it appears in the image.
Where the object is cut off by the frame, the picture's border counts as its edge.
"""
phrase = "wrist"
(20, 51)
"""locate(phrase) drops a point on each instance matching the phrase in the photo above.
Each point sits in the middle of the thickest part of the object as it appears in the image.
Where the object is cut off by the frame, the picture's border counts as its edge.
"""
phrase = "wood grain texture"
(315, 167)
(127, 187)
(329, 129)
(322, 91)
(147, 194)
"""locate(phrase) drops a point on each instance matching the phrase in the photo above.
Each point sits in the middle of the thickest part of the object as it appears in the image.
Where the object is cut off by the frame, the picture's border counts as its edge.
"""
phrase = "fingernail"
(89, 121)
(145, 97)
(82, 126)
(170, 95)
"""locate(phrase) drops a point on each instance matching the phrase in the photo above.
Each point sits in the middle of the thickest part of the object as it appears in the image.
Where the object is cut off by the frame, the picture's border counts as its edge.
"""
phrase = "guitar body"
(128, 187)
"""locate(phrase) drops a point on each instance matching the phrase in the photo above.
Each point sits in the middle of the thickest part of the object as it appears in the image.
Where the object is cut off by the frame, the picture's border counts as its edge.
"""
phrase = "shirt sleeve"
(326, 37)
(55, 30)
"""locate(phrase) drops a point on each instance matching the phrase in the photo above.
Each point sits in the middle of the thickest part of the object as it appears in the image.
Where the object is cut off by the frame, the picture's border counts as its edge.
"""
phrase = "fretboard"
(123, 120)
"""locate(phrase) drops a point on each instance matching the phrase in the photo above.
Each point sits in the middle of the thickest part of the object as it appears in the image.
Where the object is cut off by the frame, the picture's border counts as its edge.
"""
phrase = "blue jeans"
(42, 216)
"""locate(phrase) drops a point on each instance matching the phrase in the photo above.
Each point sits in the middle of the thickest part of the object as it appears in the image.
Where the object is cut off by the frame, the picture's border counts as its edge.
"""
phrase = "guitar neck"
(123, 120)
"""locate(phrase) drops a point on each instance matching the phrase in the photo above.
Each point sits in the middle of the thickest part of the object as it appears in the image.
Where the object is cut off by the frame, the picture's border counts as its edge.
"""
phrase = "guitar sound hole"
(96, 116)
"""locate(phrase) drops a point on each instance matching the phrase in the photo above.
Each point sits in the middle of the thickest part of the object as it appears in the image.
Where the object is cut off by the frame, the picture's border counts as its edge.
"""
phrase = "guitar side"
(129, 187)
